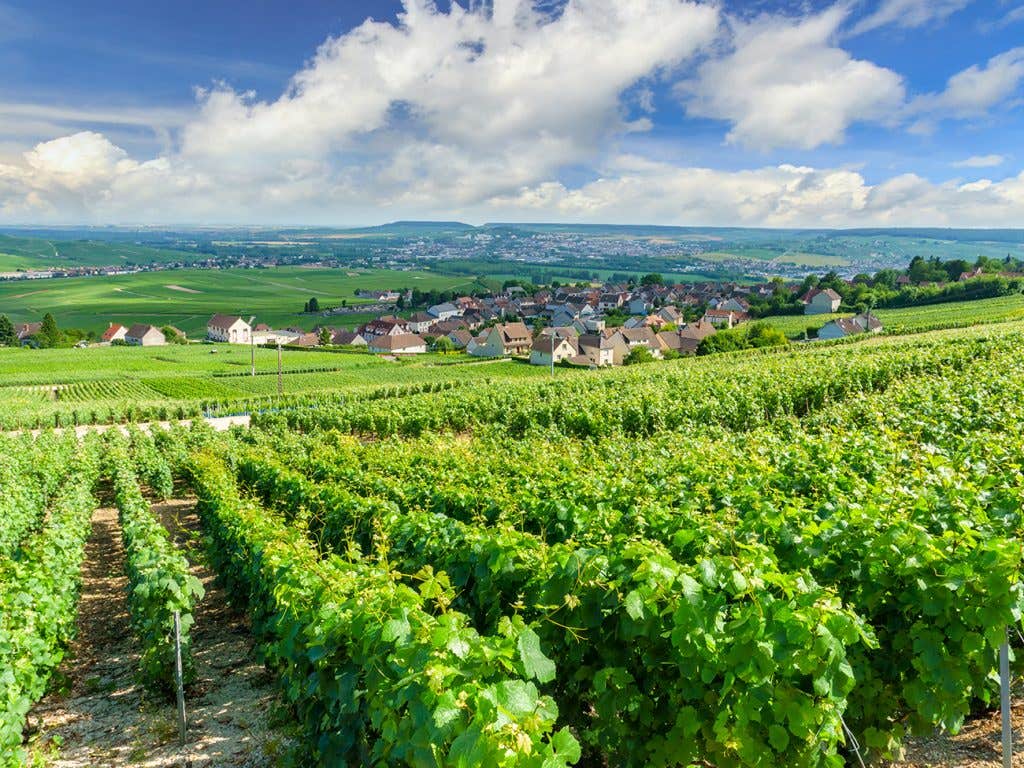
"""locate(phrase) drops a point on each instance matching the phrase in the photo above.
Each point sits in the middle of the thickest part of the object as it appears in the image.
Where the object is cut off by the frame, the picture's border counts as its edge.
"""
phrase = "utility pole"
(280, 381)
(252, 345)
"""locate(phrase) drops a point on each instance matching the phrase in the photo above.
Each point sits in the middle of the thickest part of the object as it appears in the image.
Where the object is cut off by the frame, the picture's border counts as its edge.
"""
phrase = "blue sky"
(877, 112)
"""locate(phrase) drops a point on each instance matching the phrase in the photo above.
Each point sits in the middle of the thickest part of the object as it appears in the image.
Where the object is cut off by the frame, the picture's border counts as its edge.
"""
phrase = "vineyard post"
(252, 346)
(178, 678)
(1004, 696)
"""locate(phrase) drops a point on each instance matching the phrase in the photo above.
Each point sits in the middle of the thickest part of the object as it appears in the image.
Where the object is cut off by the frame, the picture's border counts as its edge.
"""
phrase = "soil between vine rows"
(100, 715)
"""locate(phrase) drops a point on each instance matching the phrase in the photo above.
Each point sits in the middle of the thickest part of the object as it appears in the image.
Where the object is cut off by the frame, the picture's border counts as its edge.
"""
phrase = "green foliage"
(379, 672)
(747, 336)
(39, 588)
(8, 338)
(159, 580)
(638, 354)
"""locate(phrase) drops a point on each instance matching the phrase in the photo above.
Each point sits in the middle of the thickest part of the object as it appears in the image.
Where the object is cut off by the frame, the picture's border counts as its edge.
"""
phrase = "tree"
(637, 355)
(325, 336)
(49, 335)
(312, 306)
(171, 335)
(8, 338)
(444, 345)
(652, 279)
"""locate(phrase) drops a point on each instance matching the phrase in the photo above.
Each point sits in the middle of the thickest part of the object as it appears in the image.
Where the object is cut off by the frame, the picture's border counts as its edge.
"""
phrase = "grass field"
(187, 298)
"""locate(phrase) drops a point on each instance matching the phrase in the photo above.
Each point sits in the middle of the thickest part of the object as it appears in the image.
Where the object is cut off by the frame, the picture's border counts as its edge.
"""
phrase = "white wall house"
(545, 348)
(229, 328)
(140, 335)
(818, 302)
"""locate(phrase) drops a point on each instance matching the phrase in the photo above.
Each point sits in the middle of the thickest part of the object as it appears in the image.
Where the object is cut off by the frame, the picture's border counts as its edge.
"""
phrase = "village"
(591, 326)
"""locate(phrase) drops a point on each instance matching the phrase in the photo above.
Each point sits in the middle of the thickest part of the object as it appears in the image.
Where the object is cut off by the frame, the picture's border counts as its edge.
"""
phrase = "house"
(723, 318)
(114, 332)
(845, 327)
(868, 322)
(840, 328)
(460, 338)
(643, 337)
(690, 336)
(739, 306)
(141, 335)
(670, 314)
(444, 311)
(639, 306)
(609, 301)
(818, 302)
(229, 328)
(388, 325)
(378, 296)
(503, 339)
(261, 338)
(600, 350)
(420, 322)
(976, 272)
(398, 344)
(348, 339)
(556, 348)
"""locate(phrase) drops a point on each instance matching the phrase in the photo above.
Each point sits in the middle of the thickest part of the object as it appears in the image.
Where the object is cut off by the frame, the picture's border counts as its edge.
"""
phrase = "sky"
(270, 112)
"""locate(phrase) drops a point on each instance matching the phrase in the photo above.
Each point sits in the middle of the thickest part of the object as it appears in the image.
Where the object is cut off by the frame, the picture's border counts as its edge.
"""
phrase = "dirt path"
(978, 745)
(104, 718)
(218, 423)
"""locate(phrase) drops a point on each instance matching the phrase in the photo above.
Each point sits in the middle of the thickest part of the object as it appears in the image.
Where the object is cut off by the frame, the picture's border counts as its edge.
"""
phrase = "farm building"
(229, 328)
(116, 332)
(399, 344)
(141, 335)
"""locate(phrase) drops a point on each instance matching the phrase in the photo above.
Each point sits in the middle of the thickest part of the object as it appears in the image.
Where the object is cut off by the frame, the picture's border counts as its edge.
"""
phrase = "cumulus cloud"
(635, 189)
(477, 114)
(975, 90)
(909, 13)
(980, 161)
(450, 106)
(785, 82)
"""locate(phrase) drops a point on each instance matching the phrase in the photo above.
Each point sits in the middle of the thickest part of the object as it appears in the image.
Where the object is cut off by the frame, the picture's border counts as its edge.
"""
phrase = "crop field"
(742, 560)
(187, 298)
(955, 314)
(49, 387)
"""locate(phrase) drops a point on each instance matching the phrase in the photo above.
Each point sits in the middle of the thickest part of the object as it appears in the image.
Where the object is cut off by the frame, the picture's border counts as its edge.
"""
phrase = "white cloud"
(786, 83)
(980, 161)
(909, 13)
(475, 115)
(783, 196)
(972, 92)
(975, 90)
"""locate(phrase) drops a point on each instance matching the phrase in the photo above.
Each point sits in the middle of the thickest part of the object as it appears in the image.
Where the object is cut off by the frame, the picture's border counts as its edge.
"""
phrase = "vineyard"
(758, 559)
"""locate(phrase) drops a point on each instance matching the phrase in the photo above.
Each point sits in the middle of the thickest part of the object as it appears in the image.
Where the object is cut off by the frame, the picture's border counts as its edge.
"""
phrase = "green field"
(36, 253)
(187, 298)
(101, 384)
(908, 319)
